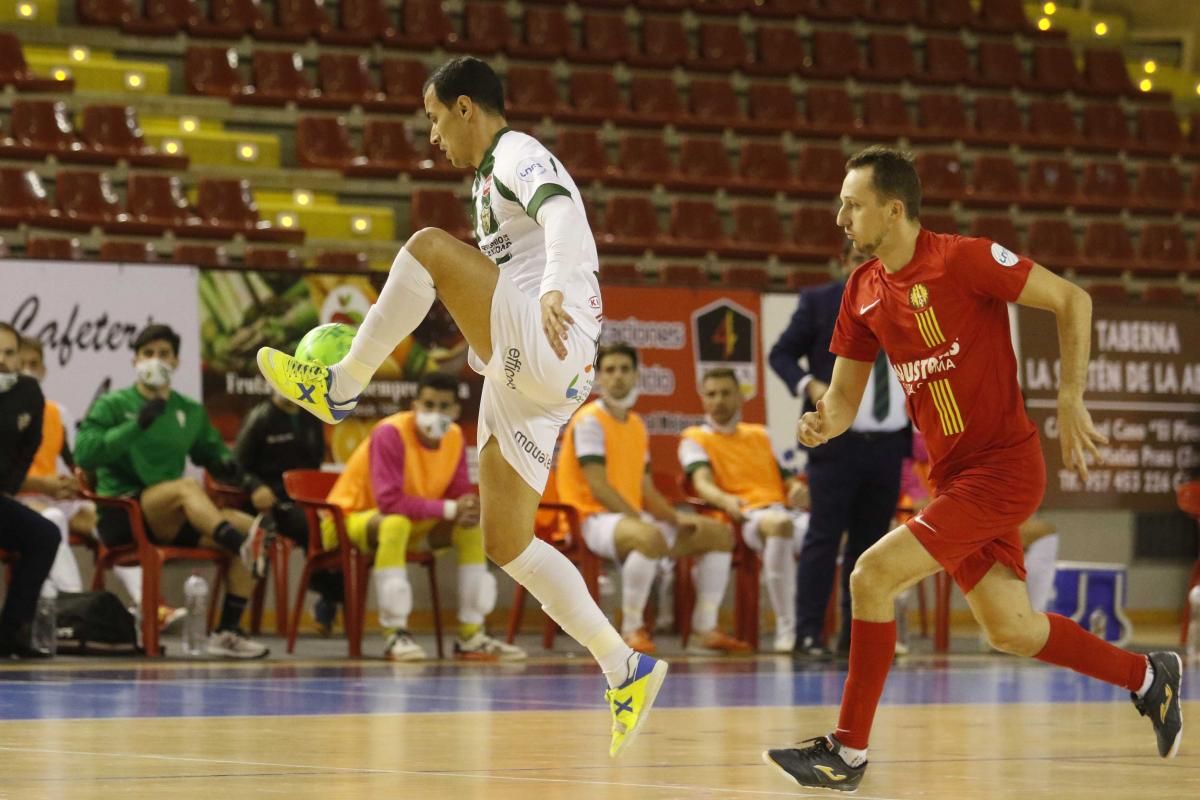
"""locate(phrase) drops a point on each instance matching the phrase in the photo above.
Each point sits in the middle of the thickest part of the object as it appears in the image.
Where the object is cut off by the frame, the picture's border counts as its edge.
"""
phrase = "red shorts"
(973, 521)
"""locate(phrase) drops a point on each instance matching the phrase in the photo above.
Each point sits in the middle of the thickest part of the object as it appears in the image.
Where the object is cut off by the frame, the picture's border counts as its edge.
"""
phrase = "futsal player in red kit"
(937, 305)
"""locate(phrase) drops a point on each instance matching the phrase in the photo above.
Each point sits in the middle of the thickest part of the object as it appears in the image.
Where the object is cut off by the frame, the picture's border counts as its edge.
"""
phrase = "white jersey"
(517, 174)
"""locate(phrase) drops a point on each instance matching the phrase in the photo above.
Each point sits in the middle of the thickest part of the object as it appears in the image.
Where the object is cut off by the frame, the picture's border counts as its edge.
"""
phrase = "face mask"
(728, 427)
(625, 403)
(8, 380)
(433, 424)
(154, 373)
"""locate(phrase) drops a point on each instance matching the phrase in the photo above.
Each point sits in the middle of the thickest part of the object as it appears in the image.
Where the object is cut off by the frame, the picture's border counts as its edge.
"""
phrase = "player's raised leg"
(839, 760)
(509, 505)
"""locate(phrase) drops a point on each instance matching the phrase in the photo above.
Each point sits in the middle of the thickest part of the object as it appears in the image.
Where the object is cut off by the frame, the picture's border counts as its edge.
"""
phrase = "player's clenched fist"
(811, 429)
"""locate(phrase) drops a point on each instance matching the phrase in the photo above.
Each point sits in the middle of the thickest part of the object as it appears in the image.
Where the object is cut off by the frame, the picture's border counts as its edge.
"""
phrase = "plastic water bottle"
(1193, 640)
(195, 593)
(44, 635)
(1098, 622)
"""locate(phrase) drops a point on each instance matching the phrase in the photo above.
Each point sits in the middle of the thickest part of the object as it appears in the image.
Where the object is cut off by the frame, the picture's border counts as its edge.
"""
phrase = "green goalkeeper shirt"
(127, 459)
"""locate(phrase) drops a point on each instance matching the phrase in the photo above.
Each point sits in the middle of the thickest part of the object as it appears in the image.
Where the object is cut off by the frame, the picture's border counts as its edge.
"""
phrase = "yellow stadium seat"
(208, 147)
(35, 11)
(346, 223)
(112, 76)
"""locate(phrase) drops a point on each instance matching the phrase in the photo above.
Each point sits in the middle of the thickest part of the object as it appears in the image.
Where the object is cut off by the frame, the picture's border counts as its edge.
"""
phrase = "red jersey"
(943, 322)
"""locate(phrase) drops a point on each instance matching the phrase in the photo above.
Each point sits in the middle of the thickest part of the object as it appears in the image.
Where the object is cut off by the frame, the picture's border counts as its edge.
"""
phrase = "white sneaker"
(785, 642)
(235, 644)
(482, 647)
(402, 647)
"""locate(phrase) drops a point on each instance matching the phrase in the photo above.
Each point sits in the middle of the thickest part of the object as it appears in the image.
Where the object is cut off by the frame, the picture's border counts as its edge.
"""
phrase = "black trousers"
(854, 481)
(36, 539)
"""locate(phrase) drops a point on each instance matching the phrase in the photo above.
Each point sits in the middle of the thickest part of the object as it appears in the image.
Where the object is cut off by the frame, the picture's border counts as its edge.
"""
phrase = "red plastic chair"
(695, 228)
(104, 12)
(950, 14)
(713, 104)
(532, 93)
(1054, 70)
(114, 131)
(308, 489)
(150, 555)
(942, 118)
(820, 172)
(764, 167)
(1000, 65)
(14, 71)
(582, 152)
(1107, 248)
(39, 128)
(345, 80)
(1052, 244)
(894, 12)
(942, 178)
(231, 19)
(779, 51)
(1003, 16)
(440, 209)
(595, 97)
(605, 40)
(1159, 188)
(721, 48)
(998, 122)
(835, 55)
(23, 198)
(771, 108)
(1051, 125)
(229, 204)
(119, 252)
(630, 225)
(946, 61)
(324, 143)
(996, 182)
(664, 43)
(402, 80)
(703, 165)
(89, 199)
(547, 34)
(486, 29)
(279, 78)
(298, 20)
(387, 148)
(1158, 131)
(1049, 184)
(655, 101)
(885, 116)
(1105, 187)
(54, 248)
(165, 18)
(159, 200)
(890, 58)
(1106, 127)
(1000, 229)
(684, 275)
(815, 235)
(200, 255)
(1162, 249)
(423, 23)
(758, 231)
(1104, 73)
(829, 112)
(213, 71)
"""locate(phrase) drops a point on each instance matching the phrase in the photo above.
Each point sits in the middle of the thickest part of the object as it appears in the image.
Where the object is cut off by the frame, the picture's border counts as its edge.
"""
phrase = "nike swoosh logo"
(829, 773)
(865, 309)
(1162, 712)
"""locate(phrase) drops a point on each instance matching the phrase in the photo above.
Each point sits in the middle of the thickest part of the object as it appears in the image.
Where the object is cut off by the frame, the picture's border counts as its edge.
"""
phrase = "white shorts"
(528, 393)
(69, 507)
(600, 533)
(750, 528)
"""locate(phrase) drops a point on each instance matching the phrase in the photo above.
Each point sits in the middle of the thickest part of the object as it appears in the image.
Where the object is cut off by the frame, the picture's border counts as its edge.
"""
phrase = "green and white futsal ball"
(326, 344)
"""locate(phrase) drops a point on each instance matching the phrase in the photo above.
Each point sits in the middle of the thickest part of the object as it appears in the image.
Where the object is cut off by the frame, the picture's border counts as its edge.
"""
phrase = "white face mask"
(433, 424)
(8, 380)
(625, 403)
(154, 373)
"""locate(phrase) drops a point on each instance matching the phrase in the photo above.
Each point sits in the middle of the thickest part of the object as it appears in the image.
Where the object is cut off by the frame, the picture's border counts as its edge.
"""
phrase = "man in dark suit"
(854, 480)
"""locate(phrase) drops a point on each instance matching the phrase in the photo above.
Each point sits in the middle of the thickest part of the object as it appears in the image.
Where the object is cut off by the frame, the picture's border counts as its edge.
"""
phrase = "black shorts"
(113, 527)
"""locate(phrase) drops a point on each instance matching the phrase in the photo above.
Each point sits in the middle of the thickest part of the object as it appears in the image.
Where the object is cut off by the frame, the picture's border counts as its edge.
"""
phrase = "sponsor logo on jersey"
(530, 169)
(487, 217)
(914, 373)
(512, 366)
(578, 390)
(530, 447)
(1004, 257)
(918, 296)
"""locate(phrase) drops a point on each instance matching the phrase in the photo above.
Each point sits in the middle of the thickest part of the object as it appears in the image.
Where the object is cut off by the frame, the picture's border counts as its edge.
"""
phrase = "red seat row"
(15, 72)
(40, 128)
(155, 204)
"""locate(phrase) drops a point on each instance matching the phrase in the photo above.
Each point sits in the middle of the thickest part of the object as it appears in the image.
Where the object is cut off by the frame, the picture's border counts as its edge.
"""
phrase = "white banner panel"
(782, 409)
(87, 315)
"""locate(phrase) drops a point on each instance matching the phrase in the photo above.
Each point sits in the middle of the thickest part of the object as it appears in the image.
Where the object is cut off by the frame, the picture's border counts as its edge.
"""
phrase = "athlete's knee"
(870, 578)
(716, 536)
(649, 542)
(1013, 634)
(425, 246)
(773, 524)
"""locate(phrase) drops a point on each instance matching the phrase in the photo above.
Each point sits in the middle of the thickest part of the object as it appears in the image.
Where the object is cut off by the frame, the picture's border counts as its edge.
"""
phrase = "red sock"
(1071, 646)
(872, 646)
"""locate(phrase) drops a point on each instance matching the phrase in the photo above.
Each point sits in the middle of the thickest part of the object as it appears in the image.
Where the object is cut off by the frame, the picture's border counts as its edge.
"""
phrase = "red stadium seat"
(1049, 184)
(721, 6)
(346, 79)
(547, 34)
(779, 51)
(786, 9)
(1168, 295)
(611, 273)
(89, 198)
(231, 18)
(299, 19)
(605, 39)
(815, 235)
(1159, 188)
(343, 260)
(323, 143)
(229, 203)
(109, 13)
(655, 101)
(721, 48)
(746, 277)
(1162, 248)
(836, 10)
(941, 117)
(1109, 292)
(764, 167)
(684, 275)
(939, 222)
(361, 22)
(200, 255)
(996, 182)
(714, 104)
(820, 171)
(664, 43)
(1104, 72)
(43, 127)
(402, 80)
(757, 230)
(894, 12)
(213, 71)
(695, 227)
(890, 58)
(829, 112)
(1107, 248)
(532, 92)
(15, 72)
(595, 97)
(582, 153)
(942, 177)
(949, 14)
(387, 149)
(126, 252)
(1105, 187)
(946, 61)
(23, 198)
(999, 229)
(997, 121)
(703, 165)
(434, 166)
(630, 225)
(1051, 125)
(486, 29)
(835, 55)
(1054, 70)
(1003, 16)
(1000, 65)
(437, 208)
(1106, 127)
(164, 18)
(885, 116)
(155, 199)
(279, 78)
(114, 131)
(423, 23)
(1158, 131)
(642, 160)
(53, 248)
(271, 258)
(1052, 243)
(772, 108)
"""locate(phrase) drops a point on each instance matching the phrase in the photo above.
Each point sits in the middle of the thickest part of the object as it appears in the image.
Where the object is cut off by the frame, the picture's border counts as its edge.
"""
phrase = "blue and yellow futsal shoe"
(631, 701)
(305, 383)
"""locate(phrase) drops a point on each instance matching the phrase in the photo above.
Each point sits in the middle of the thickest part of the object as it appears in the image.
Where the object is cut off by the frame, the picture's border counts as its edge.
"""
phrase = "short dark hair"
(30, 343)
(470, 76)
(439, 382)
(717, 373)
(154, 333)
(616, 349)
(893, 175)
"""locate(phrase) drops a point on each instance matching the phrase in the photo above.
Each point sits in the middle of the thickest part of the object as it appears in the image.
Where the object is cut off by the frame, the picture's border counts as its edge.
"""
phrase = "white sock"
(711, 575)
(131, 579)
(550, 576)
(395, 597)
(471, 578)
(1040, 560)
(1146, 681)
(779, 569)
(406, 298)
(853, 756)
(64, 572)
(637, 577)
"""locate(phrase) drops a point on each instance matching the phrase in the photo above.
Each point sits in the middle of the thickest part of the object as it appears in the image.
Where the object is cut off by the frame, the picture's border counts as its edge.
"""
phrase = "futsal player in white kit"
(528, 302)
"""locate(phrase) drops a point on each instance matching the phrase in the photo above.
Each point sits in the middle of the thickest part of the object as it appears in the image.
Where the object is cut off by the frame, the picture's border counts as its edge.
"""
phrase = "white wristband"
(449, 509)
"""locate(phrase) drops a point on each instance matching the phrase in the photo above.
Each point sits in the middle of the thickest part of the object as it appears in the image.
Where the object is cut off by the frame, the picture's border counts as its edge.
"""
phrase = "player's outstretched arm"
(1072, 307)
(838, 406)
(565, 229)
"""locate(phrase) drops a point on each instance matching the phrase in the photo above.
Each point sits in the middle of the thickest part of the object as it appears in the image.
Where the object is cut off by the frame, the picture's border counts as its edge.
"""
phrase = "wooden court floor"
(970, 727)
